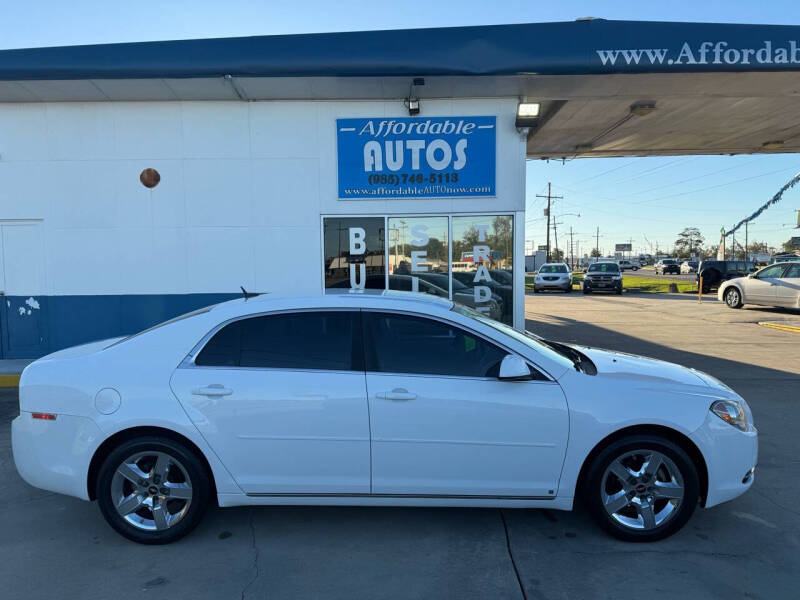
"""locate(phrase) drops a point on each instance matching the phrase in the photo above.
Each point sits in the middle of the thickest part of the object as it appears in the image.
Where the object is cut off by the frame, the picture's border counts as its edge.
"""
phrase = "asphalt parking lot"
(57, 547)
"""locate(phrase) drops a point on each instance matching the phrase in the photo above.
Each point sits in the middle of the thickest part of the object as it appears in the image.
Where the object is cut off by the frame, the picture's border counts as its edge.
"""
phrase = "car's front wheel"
(642, 488)
(733, 298)
(153, 490)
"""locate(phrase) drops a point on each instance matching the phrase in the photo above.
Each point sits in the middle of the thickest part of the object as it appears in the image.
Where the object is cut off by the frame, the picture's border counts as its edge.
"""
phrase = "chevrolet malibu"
(374, 399)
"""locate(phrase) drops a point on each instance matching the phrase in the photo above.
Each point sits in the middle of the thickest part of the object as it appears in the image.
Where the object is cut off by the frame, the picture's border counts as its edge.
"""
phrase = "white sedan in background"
(775, 285)
(374, 399)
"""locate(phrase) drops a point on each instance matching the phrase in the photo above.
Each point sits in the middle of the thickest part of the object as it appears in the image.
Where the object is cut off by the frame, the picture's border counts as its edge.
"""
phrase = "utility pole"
(550, 198)
(555, 232)
(571, 253)
(746, 223)
(597, 243)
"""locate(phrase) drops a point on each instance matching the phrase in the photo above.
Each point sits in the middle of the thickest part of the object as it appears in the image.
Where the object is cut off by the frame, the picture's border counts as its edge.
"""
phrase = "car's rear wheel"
(733, 298)
(642, 488)
(153, 490)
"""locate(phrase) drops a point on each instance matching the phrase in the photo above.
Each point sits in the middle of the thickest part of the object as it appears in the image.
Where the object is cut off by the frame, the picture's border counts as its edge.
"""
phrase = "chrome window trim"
(188, 361)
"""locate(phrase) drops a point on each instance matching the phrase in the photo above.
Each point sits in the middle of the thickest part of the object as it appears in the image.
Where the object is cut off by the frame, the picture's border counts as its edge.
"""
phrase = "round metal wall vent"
(149, 178)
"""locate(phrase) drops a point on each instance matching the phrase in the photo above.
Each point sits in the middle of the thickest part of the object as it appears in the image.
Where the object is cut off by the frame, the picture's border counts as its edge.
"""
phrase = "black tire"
(568, 290)
(619, 291)
(535, 291)
(592, 489)
(587, 291)
(196, 476)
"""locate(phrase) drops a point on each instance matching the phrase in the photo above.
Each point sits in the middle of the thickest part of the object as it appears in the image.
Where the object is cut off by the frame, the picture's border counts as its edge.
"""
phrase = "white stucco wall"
(243, 185)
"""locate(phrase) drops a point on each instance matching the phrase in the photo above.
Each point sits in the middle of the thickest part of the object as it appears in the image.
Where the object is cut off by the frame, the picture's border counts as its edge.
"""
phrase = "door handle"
(215, 389)
(396, 394)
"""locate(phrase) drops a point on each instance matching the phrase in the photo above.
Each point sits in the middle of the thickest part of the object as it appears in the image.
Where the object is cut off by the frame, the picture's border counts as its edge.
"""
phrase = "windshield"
(669, 261)
(604, 268)
(553, 269)
(531, 340)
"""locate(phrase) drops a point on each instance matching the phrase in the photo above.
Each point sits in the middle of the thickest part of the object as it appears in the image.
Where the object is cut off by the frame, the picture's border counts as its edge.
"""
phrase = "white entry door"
(443, 424)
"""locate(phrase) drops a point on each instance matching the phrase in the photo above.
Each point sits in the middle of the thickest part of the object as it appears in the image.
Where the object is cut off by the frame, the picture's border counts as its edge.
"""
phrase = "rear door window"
(305, 340)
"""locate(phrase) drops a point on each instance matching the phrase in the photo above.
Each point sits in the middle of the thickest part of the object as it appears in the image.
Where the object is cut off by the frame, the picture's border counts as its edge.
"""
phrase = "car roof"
(334, 298)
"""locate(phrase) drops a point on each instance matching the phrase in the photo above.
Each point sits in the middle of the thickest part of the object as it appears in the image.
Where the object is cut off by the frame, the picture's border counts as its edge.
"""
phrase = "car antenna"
(247, 294)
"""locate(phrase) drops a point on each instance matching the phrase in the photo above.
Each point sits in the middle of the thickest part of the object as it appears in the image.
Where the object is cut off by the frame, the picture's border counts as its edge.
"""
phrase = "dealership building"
(140, 181)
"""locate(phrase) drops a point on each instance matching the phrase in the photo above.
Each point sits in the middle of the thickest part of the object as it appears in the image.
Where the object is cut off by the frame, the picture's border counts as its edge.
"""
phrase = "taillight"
(44, 416)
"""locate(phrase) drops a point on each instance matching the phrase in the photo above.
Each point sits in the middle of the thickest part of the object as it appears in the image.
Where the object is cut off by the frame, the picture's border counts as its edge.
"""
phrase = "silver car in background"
(775, 285)
(553, 276)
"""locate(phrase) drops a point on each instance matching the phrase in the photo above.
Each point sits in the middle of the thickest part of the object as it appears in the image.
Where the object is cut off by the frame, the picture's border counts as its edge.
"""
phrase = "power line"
(711, 187)
(609, 171)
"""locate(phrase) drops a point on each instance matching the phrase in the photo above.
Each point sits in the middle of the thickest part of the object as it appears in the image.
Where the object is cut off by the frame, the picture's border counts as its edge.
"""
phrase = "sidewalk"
(11, 369)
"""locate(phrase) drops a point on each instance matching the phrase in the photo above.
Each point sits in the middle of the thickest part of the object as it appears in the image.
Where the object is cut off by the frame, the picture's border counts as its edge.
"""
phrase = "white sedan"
(374, 399)
(775, 285)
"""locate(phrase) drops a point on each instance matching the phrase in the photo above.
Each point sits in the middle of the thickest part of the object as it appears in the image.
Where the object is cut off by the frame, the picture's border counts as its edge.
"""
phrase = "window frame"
(544, 376)
(189, 361)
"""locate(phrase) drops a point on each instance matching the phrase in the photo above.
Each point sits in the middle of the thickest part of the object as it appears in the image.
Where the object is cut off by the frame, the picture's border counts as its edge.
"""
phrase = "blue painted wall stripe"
(64, 321)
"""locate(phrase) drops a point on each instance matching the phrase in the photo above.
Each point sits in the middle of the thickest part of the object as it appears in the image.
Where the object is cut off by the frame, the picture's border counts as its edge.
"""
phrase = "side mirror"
(513, 368)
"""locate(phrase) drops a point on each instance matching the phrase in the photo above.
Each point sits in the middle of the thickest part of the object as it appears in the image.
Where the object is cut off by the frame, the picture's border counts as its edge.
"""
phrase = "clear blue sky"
(669, 193)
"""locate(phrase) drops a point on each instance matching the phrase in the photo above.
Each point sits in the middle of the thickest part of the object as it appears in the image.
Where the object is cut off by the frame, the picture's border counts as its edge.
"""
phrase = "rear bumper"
(55, 455)
(730, 456)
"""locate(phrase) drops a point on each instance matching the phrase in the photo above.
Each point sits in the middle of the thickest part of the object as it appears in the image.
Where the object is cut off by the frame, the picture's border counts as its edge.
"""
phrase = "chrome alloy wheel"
(642, 489)
(151, 491)
(732, 297)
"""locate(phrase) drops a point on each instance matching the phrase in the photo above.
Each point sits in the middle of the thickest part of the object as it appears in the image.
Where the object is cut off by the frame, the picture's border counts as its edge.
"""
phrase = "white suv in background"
(553, 276)
(628, 265)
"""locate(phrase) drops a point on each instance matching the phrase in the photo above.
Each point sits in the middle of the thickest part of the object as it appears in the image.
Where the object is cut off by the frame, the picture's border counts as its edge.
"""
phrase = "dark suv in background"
(668, 265)
(715, 272)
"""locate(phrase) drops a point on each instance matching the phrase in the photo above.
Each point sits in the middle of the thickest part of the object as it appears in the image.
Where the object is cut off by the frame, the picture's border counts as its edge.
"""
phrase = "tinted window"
(792, 272)
(773, 271)
(314, 340)
(604, 268)
(406, 344)
(553, 269)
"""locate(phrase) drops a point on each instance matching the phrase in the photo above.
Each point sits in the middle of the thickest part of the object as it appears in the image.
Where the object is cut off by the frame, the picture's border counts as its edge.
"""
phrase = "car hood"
(630, 367)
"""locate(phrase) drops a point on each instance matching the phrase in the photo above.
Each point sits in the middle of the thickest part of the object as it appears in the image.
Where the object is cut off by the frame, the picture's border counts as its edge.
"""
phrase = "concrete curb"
(9, 380)
(781, 326)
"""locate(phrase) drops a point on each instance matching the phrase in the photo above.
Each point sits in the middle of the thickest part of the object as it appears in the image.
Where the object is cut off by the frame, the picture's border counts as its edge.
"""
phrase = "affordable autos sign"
(416, 157)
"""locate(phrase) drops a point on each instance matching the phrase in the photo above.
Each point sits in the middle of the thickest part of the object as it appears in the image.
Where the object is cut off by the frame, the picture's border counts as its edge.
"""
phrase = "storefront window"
(418, 255)
(483, 252)
(417, 259)
(354, 252)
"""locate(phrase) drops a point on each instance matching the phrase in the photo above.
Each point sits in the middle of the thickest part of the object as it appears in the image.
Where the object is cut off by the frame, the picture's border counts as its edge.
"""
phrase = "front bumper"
(55, 455)
(610, 286)
(730, 456)
(552, 285)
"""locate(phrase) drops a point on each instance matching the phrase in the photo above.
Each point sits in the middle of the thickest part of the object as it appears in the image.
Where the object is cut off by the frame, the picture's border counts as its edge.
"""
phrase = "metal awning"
(708, 88)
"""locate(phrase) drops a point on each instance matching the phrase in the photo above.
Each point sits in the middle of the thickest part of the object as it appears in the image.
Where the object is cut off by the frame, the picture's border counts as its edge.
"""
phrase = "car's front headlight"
(732, 412)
